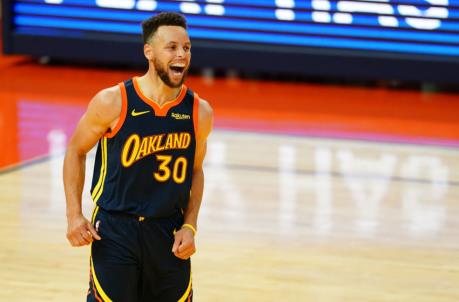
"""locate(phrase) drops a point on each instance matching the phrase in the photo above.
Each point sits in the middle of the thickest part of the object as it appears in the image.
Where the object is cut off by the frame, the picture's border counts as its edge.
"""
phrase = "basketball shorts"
(134, 261)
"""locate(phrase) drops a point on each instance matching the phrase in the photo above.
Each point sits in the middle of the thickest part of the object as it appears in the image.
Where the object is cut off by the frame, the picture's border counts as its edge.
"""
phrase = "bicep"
(201, 149)
(93, 124)
(86, 135)
(204, 129)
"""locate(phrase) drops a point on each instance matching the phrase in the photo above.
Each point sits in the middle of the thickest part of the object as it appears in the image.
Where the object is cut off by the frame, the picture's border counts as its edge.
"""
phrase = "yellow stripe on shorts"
(187, 292)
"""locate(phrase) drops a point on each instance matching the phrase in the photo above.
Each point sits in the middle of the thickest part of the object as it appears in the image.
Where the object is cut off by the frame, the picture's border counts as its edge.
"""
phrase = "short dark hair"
(151, 25)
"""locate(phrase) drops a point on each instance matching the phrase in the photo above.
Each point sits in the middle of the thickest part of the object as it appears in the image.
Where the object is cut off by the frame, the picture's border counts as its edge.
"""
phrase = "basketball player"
(148, 179)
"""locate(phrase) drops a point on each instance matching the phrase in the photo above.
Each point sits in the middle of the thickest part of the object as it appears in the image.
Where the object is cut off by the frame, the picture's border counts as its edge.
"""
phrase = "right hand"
(80, 231)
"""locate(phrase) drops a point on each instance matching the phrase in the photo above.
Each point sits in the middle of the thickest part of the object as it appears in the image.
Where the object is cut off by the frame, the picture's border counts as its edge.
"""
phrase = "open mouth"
(177, 70)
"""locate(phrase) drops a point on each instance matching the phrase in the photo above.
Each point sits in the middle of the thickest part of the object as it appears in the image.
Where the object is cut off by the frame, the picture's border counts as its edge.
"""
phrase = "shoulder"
(106, 104)
(108, 97)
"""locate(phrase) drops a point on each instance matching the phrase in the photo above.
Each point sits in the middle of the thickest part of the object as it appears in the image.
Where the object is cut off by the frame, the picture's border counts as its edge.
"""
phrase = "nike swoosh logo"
(133, 113)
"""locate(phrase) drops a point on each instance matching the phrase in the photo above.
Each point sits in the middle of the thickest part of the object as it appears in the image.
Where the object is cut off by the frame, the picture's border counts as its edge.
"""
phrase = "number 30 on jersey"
(166, 169)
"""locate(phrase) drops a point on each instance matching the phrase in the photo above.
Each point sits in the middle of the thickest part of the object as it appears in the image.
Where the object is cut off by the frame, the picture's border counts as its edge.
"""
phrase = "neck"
(153, 87)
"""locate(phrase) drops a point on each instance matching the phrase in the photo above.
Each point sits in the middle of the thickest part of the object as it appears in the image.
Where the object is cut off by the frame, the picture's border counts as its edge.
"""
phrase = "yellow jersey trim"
(101, 174)
(100, 184)
(94, 213)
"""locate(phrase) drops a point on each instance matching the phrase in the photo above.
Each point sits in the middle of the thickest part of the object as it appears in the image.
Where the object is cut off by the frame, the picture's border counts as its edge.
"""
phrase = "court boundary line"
(432, 144)
(43, 158)
(30, 162)
(334, 174)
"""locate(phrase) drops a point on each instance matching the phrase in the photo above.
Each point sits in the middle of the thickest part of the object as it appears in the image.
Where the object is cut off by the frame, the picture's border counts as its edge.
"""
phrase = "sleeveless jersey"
(144, 166)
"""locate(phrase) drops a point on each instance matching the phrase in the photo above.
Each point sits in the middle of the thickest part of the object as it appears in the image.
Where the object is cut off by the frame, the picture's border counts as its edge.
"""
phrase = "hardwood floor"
(284, 218)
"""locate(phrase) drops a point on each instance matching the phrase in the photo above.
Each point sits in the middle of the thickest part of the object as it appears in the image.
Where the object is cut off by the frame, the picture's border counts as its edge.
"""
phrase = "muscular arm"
(184, 245)
(102, 113)
(197, 187)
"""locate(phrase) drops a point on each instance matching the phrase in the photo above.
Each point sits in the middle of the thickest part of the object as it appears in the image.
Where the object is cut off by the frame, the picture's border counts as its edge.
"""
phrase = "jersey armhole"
(122, 114)
(196, 114)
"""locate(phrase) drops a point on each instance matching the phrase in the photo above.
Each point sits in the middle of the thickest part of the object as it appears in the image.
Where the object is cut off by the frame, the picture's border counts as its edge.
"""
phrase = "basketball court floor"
(313, 192)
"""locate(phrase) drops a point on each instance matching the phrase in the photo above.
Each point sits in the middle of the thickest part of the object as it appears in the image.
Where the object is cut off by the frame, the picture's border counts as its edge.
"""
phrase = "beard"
(164, 76)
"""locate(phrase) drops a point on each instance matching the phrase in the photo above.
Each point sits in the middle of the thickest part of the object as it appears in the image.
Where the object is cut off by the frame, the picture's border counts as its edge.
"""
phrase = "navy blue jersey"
(144, 166)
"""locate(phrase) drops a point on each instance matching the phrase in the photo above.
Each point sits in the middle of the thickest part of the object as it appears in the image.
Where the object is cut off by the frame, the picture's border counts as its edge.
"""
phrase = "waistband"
(129, 216)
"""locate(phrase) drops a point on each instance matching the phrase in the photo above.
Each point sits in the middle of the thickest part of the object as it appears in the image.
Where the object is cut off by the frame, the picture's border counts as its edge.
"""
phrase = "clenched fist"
(80, 231)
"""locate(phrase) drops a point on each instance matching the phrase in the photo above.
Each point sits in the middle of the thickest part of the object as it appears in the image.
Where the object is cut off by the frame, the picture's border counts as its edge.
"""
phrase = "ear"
(148, 51)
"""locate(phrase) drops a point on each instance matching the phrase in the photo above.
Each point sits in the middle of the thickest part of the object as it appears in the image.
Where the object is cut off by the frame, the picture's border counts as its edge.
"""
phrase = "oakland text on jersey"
(136, 148)
(154, 152)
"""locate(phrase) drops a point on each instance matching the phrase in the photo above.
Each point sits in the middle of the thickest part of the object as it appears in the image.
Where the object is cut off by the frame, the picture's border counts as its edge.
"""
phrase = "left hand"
(184, 245)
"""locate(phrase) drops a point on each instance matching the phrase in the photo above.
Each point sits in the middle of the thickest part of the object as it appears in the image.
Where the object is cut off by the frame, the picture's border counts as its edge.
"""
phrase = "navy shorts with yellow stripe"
(134, 261)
